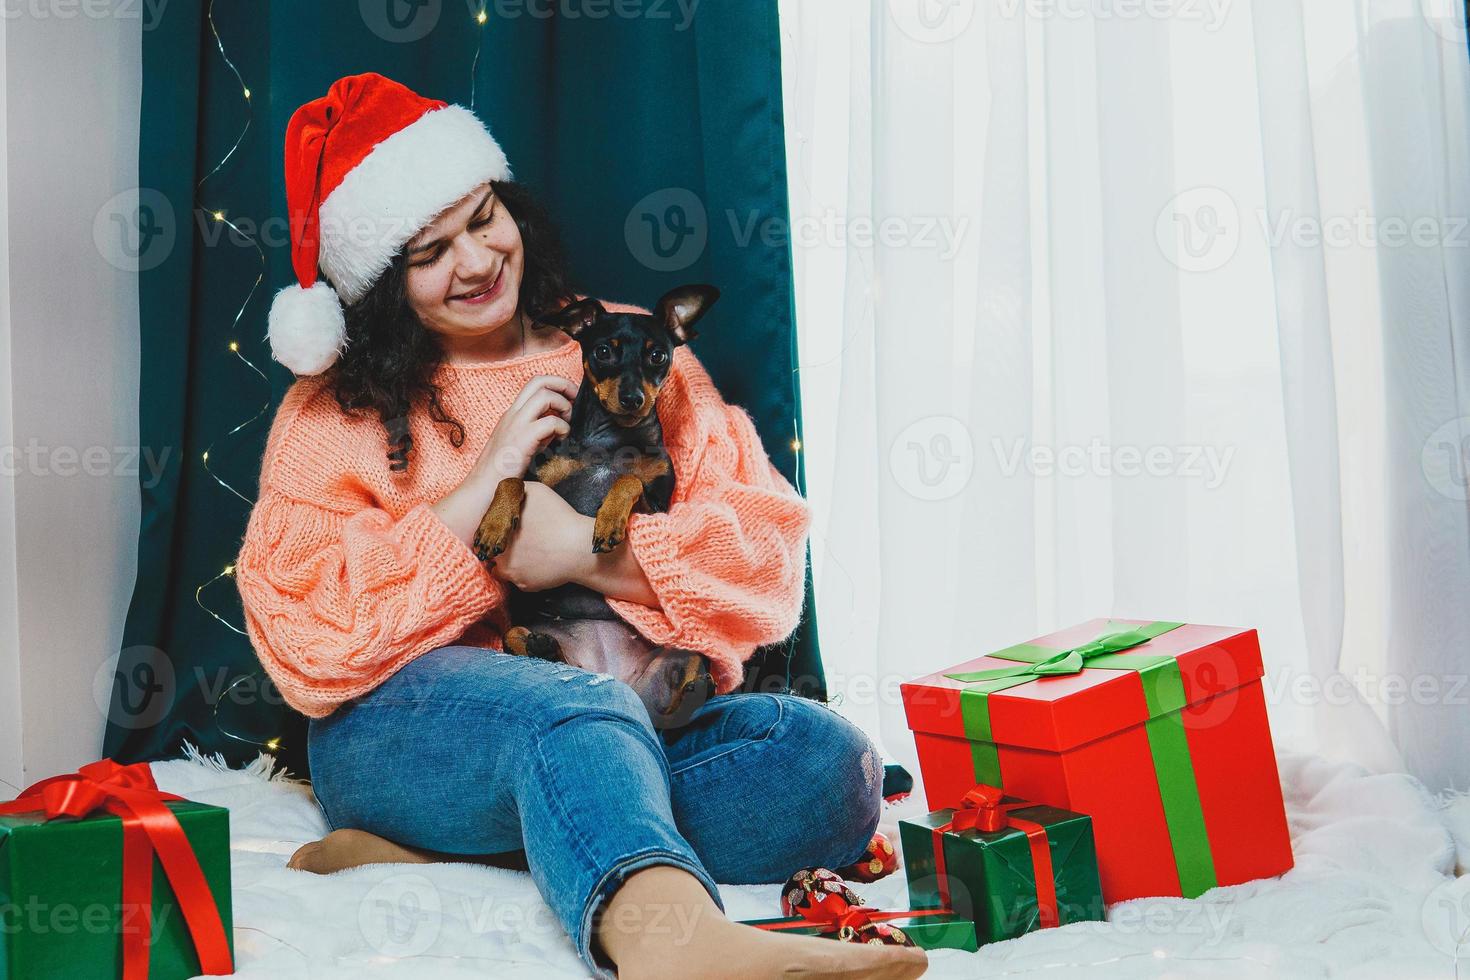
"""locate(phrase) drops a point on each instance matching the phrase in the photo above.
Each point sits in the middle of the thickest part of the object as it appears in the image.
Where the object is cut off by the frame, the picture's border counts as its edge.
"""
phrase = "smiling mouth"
(484, 291)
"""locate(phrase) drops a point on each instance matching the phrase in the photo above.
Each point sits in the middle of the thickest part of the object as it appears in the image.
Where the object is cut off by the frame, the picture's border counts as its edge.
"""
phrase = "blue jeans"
(471, 751)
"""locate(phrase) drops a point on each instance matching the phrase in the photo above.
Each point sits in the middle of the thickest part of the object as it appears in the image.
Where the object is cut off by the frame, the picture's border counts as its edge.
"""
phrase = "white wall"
(9, 614)
(69, 102)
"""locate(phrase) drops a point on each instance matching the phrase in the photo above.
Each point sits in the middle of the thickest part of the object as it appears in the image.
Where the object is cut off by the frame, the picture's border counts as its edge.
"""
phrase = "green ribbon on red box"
(1163, 691)
(149, 829)
(982, 810)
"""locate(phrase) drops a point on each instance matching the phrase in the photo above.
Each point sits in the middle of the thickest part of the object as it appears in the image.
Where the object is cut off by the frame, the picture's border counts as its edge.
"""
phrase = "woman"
(370, 612)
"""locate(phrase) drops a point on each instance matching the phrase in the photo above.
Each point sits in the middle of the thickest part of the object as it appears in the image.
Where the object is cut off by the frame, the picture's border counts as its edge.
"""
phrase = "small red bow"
(149, 828)
(981, 810)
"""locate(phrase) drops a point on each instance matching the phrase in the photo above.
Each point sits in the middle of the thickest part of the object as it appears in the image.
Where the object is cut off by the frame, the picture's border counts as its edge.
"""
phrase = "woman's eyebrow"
(425, 246)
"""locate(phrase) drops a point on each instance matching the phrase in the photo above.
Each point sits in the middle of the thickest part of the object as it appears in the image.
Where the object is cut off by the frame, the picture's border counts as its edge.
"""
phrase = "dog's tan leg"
(515, 640)
(503, 517)
(612, 517)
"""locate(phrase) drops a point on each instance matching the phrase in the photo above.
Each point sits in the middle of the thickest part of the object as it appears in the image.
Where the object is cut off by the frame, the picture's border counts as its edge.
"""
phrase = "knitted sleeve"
(728, 560)
(338, 594)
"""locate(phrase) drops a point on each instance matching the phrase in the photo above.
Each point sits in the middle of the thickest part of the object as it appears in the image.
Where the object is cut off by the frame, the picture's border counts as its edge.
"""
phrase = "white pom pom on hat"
(368, 166)
(306, 328)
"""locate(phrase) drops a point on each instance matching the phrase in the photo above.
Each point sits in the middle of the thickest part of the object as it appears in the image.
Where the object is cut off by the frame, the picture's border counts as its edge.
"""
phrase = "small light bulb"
(481, 18)
(247, 93)
(229, 569)
(234, 346)
(206, 455)
(273, 744)
(796, 445)
(219, 216)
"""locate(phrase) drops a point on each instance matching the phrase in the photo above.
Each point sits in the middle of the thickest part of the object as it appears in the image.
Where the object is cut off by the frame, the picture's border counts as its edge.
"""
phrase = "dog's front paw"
(493, 535)
(607, 535)
(500, 520)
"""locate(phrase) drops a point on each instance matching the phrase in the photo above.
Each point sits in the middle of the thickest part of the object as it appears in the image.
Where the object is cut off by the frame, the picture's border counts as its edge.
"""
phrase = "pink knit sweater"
(346, 573)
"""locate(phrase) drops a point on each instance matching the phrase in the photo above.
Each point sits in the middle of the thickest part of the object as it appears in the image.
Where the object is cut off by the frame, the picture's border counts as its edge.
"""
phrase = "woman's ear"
(681, 306)
(574, 318)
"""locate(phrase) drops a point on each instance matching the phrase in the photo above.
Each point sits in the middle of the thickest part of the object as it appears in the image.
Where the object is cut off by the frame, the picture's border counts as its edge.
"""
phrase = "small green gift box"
(945, 930)
(76, 880)
(1005, 864)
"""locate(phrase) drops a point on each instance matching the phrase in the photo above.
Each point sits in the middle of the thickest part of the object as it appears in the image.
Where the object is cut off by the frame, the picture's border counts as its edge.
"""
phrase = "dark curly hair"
(390, 356)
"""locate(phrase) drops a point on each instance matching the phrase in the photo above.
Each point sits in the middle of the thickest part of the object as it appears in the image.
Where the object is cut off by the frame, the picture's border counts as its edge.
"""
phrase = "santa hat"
(368, 166)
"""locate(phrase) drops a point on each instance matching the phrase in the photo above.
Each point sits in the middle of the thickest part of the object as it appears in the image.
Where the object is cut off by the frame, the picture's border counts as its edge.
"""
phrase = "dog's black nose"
(631, 399)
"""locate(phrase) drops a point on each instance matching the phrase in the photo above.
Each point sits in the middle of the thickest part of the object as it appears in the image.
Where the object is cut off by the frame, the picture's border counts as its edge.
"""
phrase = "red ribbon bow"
(149, 828)
(982, 810)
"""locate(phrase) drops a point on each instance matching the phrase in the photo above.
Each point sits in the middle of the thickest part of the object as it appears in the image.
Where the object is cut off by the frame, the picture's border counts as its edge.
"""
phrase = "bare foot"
(350, 848)
(662, 925)
(771, 954)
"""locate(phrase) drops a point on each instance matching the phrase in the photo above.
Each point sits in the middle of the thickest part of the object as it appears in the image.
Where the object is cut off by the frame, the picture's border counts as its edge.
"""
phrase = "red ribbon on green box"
(149, 829)
(1163, 691)
(982, 810)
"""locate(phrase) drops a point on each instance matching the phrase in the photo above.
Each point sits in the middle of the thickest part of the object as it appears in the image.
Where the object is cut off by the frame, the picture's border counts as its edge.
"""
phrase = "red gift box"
(1157, 730)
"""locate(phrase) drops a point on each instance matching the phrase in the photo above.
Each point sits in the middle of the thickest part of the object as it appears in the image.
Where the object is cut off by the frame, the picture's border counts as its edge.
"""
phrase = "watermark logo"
(1445, 459)
(679, 13)
(400, 21)
(932, 21)
(1445, 18)
(1207, 464)
(1445, 916)
(1209, 14)
(135, 231)
(401, 915)
(1199, 229)
(667, 230)
(135, 687)
(149, 11)
(933, 458)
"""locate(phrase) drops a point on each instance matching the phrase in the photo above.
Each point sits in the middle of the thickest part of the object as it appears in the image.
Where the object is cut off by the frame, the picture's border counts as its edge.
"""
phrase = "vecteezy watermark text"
(1209, 464)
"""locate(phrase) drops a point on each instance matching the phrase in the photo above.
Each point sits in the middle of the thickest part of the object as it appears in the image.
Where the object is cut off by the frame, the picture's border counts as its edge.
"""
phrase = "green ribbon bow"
(1163, 689)
(1069, 661)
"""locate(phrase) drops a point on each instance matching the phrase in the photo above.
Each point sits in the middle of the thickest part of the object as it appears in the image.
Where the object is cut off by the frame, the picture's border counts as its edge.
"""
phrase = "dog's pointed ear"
(681, 306)
(575, 317)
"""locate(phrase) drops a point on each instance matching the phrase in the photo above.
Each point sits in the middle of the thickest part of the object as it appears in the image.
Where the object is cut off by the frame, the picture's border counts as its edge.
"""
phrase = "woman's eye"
(484, 219)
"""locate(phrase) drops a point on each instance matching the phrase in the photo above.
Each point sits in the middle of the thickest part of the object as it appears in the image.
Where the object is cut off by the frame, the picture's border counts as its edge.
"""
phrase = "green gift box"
(991, 875)
(944, 931)
(61, 907)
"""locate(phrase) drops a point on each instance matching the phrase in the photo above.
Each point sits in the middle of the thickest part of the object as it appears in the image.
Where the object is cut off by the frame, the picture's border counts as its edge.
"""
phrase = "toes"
(301, 860)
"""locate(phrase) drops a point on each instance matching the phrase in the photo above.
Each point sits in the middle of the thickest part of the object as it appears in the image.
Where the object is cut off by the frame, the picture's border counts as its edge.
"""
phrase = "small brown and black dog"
(611, 461)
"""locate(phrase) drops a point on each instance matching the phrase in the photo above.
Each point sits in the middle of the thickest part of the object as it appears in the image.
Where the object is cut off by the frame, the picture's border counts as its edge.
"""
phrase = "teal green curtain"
(652, 134)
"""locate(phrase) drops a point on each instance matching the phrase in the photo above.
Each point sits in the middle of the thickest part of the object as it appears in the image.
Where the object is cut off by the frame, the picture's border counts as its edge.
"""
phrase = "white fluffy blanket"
(1373, 895)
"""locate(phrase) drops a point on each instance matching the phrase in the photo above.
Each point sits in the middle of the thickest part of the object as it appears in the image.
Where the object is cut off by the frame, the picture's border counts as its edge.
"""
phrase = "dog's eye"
(658, 358)
(603, 352)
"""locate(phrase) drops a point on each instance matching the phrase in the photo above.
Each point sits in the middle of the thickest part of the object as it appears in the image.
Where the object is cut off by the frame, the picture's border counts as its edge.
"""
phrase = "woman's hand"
(540, 413)
(553, 545)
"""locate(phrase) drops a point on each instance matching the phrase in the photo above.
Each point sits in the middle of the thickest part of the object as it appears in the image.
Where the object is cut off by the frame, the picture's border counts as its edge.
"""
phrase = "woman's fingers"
(550, 400)
(544, 383)
(549, 427)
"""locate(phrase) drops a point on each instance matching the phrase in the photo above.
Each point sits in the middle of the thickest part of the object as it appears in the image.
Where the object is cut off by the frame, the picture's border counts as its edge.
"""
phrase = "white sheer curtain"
(1148, 309)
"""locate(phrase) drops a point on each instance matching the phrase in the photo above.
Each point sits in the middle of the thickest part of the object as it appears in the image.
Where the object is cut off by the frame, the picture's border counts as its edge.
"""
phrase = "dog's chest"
(585, 479)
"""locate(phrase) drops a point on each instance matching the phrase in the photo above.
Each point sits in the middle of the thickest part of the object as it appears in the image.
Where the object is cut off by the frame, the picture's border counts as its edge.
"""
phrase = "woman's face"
(464, 268)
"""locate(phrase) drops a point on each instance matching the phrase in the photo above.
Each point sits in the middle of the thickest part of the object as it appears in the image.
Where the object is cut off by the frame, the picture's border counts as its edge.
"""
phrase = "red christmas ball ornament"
(879, 861)
(814, 887)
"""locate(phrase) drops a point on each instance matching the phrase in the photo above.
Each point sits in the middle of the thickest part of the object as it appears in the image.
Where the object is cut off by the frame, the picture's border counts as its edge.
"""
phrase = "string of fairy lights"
(219, 216)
